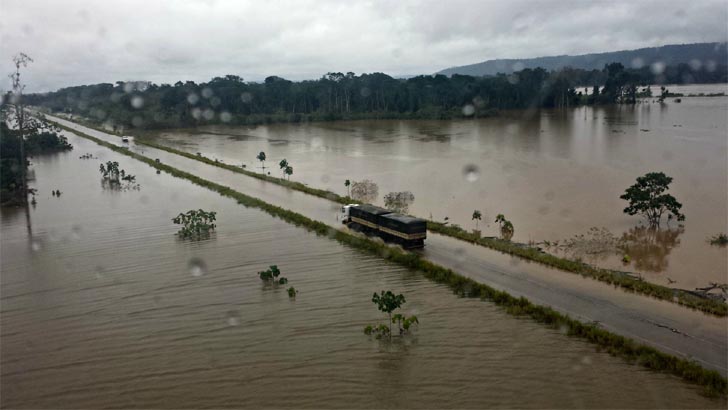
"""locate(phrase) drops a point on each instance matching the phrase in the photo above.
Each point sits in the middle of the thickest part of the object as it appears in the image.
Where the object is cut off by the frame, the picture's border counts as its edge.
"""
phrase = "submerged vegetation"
(387, 302)
(647, 198)
(713, 383)
(271, 275)
(720, 239)
(370, 188)
(196, 224)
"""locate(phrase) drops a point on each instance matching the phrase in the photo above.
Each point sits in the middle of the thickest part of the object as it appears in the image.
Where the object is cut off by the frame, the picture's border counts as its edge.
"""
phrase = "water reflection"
(649, 248)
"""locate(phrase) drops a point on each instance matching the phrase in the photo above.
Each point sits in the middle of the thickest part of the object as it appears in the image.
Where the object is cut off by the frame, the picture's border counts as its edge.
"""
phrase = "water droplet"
(637, 63)
(196, 113)
(710, 65)
(137, 101)
(658, 67)
(246, 97)
(468, 110)
(35, 246)
(225, 116)
(471, 173)
(696, 64)
(365, 92)
(137, 121)
(518, 66)
(193, 98)
(197, 267)
(233, 318)
(206, 93)
(208, 114)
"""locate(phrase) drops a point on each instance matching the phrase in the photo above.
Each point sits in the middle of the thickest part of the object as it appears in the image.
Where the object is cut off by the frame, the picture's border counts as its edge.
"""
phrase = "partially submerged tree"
(283, 165)
(365, 191)
(506, 227)
(196, 224)
(114, 177)
(271, 275)
(261, 158)
(288, 171)
(648, 198)
(387, 302)
(399, 201)
(347, 184)
(477, 216)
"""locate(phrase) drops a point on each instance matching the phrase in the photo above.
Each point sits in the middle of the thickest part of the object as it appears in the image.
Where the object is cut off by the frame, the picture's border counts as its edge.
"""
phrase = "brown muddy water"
(554, 174)
(102, 306)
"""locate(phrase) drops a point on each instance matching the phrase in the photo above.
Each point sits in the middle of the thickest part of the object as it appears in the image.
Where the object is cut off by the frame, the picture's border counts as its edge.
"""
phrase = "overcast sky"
(90, 41)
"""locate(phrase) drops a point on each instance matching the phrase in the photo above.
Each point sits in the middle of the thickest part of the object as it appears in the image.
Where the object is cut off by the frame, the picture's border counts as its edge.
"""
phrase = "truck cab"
(345, 215)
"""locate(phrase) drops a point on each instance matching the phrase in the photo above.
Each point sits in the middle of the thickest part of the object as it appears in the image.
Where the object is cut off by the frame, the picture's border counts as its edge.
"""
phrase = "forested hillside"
(669, 55)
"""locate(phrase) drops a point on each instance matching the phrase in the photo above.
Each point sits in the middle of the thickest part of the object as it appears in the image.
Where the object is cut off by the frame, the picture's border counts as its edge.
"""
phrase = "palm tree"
(283, 164)
(288, 171)
(477, 216)
(261, 158)
(347, 184)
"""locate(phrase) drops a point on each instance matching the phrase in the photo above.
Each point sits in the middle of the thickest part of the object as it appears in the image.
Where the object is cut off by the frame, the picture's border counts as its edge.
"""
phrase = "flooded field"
(554, 174)
(102, 306)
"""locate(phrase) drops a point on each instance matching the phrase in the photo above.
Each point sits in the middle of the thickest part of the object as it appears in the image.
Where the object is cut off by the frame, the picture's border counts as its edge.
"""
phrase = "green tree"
(261, 158)
(196, 224)
(388, 302)
(283, 164)
(506, 227)
(288, 171)
(271, 275)
(477, 216)
(648, 198)
(347, 184)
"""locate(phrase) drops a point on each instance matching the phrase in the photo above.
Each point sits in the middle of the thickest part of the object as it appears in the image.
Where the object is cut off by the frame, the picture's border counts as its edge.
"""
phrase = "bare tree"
(16, 101)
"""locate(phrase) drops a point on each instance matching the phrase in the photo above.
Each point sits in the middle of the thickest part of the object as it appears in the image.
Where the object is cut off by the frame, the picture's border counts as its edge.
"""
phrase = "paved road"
(666, 326)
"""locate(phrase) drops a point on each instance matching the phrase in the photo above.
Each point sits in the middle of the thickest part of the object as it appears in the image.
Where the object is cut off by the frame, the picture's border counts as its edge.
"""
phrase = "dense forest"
(230, 99)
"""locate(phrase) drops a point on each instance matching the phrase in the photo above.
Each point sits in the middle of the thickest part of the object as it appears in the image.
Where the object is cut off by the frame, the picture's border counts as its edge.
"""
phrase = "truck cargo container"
(408, 231)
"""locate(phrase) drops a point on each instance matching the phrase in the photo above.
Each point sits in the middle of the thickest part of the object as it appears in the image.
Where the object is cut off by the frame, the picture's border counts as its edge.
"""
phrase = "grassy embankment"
(713, 383)
(615, 278)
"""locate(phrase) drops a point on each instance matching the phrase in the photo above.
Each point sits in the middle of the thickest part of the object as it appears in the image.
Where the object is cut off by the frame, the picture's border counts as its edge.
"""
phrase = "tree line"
(335, 96)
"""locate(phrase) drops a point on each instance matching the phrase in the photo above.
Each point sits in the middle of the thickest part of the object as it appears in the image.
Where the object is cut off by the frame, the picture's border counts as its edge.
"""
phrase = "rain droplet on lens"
(233, 318)
(35, 246)
(225, 116)
(137, 102)
(471, 173)
(197, 267)
(468, 110)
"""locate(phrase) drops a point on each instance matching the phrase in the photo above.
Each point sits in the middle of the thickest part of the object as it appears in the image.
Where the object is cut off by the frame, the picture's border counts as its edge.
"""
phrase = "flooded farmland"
(554, 174)
(102, 306)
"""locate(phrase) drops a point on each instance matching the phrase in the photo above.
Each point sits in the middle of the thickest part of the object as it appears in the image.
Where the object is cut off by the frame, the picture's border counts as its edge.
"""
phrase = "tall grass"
(713, 383)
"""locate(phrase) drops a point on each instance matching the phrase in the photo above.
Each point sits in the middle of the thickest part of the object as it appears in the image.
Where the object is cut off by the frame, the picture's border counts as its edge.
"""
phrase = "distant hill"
(669, 55)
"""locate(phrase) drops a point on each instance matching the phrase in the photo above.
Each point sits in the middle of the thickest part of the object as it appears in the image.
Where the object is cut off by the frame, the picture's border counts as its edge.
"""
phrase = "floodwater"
(554, 174)
(102, 306)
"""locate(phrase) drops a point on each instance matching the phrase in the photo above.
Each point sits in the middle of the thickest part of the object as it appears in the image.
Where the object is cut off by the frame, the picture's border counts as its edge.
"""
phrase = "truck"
(405, 230)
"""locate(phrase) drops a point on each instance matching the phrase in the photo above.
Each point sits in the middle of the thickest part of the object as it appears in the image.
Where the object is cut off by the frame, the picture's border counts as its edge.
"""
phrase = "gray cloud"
(85, 41)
